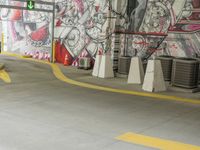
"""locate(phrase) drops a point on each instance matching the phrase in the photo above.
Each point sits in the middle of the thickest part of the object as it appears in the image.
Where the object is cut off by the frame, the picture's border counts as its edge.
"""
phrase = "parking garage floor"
(40, 112)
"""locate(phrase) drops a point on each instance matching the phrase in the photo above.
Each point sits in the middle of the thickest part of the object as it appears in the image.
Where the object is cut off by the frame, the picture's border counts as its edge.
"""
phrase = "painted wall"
(178, 19)
(126, 27)
(184, 37)
(26, 32)
(79, 24)
(145, 27)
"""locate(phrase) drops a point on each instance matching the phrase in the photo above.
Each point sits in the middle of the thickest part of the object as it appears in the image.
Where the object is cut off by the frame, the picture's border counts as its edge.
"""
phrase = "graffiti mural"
(125, 27)
(79, 24)
(184, 36)
(177, 19)
(148, 26)
(28, 32)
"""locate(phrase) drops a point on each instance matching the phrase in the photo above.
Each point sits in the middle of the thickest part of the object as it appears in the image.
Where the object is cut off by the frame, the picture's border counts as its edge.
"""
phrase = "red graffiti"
(142, 43)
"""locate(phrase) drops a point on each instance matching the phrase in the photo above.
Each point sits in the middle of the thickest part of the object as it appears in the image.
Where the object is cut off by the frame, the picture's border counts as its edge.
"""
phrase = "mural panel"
(84, 27)
(79, 24)
(28, 32)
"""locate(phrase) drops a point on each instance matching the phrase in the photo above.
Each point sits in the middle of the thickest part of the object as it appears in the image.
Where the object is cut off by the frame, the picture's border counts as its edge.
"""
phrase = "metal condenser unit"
(185, 72)
(199, 68)
(84, 63)
(124, 65)
(166, 62)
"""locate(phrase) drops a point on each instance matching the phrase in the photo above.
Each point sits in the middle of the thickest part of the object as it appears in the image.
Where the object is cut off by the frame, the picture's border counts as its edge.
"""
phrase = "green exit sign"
(30, 4)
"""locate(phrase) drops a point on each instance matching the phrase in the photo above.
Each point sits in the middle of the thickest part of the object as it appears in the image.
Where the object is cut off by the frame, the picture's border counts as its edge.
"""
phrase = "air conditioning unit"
(185, 73)
(124, 65)
(166, 62)
(84, 63)
(199, 68)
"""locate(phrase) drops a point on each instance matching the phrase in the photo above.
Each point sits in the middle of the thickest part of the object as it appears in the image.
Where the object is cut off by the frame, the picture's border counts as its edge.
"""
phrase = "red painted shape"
(97, 8)
(16, 15)
(58, 23)
(141, 33)
(142, 43)
(40, 34)
(194, 27)
(61, 52)
(154, 49)
(196, 3)
(100, 51)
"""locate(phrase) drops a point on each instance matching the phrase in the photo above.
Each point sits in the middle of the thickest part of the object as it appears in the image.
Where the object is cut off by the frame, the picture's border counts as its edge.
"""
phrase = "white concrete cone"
(136, 72)
(106, 67)
(154, 80)
(97, 63)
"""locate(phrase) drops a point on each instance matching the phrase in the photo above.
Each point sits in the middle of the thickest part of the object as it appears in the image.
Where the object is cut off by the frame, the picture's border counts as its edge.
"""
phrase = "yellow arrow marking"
(155, 142)
(5, 76)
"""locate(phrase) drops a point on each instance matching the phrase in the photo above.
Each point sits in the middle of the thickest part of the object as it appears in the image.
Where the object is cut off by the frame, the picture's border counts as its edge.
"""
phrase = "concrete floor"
(39, 112)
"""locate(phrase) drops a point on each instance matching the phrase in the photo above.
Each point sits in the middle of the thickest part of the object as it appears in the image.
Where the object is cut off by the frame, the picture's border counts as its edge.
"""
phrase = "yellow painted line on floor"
(5, 76)
(11, 54)
(60, 76)
(156, 143)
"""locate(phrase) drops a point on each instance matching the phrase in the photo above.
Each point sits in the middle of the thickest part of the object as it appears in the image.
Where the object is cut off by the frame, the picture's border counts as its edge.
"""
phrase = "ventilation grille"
(166, 62)
(185, 73)
(199, 74)
(124, 65)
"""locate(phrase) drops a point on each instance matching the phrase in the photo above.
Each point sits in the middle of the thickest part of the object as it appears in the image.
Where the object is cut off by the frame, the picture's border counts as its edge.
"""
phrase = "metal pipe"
(24, 8)
(52, 33)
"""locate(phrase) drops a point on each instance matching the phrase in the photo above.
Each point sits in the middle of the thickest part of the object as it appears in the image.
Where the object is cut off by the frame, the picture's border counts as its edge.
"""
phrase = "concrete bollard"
(136, 72)
(97, 64)
(154, 80)
(106, 67)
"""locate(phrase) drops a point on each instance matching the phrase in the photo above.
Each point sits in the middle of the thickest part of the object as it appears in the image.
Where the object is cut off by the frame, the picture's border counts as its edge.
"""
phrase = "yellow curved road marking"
(156, 143)
(60, 76)
(5, 76)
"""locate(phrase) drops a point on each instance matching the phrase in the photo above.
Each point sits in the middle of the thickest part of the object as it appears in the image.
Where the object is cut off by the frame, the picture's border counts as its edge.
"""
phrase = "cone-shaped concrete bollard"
(136, 72)
(154, 80)
(106, 67)
(97, 63)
